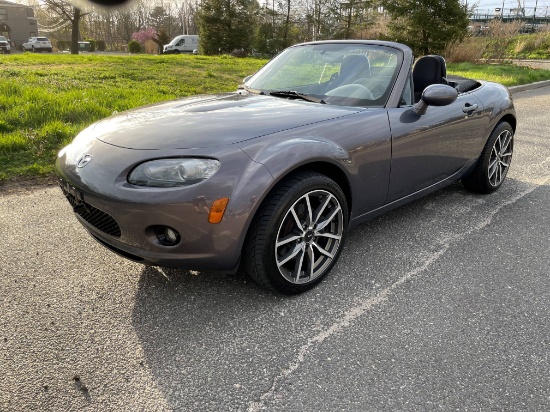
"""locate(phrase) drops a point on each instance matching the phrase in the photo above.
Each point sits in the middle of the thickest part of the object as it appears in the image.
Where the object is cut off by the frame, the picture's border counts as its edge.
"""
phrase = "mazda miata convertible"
(270, 178)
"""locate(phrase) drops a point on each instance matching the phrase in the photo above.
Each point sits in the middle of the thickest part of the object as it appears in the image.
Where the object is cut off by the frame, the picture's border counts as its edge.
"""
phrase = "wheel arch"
(322, 167)
(331, 171)
(510, 119)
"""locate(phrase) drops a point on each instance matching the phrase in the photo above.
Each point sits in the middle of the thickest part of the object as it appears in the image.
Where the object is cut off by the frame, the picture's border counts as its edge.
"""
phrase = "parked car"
(182, 44)
(5, 46)
(325, 136)
(36, 44)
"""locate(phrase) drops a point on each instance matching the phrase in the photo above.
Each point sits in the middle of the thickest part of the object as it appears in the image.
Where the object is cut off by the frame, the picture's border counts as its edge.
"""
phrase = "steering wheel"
(357, 91)
(375, 86)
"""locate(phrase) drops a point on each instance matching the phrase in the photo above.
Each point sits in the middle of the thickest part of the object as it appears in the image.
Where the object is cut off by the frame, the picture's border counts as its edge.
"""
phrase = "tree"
(160, 38)
(427, 26)
(226, 25)
(71, 13)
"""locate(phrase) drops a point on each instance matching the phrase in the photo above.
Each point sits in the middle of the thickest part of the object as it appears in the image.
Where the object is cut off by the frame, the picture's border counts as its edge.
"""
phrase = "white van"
(186, 43)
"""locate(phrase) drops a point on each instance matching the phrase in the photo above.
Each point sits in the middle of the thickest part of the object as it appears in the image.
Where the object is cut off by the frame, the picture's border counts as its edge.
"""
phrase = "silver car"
(270, 178)
(36, 44)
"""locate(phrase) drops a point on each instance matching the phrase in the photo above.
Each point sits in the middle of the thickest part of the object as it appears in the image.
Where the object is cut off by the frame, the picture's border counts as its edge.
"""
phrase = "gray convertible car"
(271, 177)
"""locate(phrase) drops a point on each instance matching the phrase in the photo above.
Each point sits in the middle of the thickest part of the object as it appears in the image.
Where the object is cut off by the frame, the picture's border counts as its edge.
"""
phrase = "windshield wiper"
(288, 93)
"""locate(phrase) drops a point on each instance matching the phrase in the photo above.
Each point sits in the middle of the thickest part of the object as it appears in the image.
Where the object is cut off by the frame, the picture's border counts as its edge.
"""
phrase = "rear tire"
(493, 164)
(298, 234)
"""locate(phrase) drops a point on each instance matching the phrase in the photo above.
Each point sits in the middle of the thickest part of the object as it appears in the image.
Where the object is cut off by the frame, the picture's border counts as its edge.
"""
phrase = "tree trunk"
(75, 30)
(287, 22)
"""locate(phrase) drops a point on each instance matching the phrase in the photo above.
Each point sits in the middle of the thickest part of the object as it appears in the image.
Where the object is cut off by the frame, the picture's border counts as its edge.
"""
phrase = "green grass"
(45, 100)
(506, 74)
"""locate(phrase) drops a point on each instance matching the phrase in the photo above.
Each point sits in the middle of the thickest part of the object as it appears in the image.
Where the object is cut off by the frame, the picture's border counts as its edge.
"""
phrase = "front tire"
(493, 164)
(298, 235)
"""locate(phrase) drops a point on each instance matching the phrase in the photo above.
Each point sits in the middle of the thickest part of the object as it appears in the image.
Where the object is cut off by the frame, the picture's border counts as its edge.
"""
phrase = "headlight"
(173, 172)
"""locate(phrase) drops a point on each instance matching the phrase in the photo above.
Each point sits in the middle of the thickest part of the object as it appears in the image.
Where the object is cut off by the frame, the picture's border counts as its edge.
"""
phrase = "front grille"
(95, 217)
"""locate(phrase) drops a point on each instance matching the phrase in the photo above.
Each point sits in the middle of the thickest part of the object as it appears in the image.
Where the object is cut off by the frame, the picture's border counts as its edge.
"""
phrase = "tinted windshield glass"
(42, 38)
(343, 74)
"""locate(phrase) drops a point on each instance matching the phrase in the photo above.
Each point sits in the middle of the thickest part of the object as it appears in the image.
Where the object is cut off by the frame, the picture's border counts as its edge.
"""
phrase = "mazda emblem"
(84, 160)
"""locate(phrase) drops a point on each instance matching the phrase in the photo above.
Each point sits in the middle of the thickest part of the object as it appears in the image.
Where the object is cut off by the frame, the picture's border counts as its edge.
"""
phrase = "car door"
(429, 148)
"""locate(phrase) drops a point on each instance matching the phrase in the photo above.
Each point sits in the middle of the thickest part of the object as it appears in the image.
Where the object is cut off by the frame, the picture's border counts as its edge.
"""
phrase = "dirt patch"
(27, 184)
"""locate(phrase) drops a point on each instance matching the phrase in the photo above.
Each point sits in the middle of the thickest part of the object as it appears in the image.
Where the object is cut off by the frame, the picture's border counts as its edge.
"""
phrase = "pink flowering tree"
(143, 35)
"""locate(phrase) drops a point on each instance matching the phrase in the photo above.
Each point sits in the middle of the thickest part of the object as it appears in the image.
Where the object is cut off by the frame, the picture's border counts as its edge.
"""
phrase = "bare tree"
(71, 13)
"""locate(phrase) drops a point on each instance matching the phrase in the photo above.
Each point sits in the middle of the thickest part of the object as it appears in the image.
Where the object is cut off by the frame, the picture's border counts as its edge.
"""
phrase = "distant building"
(17, 22)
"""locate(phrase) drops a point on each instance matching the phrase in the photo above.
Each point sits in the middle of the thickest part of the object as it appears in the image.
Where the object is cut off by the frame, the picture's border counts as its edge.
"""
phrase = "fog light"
(167, 236)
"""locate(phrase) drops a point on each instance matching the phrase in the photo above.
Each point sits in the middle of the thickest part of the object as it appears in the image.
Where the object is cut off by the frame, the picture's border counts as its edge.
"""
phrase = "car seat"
(353, 67)
(428, 70)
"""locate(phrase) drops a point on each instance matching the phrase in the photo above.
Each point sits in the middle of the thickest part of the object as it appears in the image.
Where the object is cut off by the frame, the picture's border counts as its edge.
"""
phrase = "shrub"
(471, 50)
(92, 44)
(100, 44)
(239, 53)
(63, 45)
(134, 47)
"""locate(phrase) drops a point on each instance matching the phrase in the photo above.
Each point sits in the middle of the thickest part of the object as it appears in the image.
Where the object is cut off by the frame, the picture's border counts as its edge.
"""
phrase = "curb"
(530, 86)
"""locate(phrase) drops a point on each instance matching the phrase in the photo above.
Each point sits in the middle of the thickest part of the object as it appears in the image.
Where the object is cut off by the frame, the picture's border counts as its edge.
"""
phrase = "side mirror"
(435, 95)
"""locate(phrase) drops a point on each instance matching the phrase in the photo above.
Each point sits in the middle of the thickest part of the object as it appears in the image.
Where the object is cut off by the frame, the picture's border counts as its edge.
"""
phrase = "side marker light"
(217, 210)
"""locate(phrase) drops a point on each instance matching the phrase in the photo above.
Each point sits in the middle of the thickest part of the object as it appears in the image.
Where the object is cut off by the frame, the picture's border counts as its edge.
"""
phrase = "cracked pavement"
(441, 304)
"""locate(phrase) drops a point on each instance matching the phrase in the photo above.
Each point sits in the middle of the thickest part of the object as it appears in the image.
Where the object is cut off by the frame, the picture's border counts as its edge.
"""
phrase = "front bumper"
(124, 218)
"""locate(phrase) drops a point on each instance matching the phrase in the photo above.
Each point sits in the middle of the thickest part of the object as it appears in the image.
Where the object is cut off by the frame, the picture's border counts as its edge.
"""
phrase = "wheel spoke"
(290, 255)
(287, 239)
(321, 208)
(296, 218)
(309, 211)
(493, 166)
(299, 263)
(507, 139)
(325, 223)
(311, 257)
(323, 251)
(329, 235)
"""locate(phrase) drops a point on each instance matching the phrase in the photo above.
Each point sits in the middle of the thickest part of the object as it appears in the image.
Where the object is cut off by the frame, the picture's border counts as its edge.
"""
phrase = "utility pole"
(535, 13)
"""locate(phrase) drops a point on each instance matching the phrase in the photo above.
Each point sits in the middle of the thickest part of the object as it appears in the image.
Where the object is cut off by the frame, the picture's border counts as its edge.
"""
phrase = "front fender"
(282, 157)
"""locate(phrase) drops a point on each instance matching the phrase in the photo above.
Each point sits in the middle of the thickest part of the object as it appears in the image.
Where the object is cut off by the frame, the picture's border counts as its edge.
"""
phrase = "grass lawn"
(45, 100)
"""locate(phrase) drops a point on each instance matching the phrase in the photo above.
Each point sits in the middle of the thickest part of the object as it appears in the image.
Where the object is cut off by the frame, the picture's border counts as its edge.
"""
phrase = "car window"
(42, 39)
(341, 74)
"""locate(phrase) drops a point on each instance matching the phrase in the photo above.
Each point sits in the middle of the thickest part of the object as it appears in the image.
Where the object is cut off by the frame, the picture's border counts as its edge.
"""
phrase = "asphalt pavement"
(440, 305)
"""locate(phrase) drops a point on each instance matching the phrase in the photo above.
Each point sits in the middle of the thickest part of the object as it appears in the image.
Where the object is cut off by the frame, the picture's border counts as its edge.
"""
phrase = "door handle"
(469, 108)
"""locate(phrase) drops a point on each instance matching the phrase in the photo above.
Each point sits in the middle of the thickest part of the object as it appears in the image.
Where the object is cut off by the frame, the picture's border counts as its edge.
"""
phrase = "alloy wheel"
(501, 156)
(309, 237)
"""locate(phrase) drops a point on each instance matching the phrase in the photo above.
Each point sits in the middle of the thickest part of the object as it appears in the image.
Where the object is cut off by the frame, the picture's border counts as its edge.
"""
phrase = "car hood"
(210, 121)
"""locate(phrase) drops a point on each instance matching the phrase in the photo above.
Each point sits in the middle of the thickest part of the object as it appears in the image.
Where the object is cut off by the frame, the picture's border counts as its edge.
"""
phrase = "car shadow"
(219, 337)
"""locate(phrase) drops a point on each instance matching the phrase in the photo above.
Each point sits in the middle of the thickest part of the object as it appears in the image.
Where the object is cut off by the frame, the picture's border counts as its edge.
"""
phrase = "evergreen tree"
(226, 25)
(427, 26)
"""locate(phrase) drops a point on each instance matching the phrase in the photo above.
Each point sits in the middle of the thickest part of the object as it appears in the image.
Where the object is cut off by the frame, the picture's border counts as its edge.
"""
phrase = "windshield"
(342, 74)
(2, 38)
